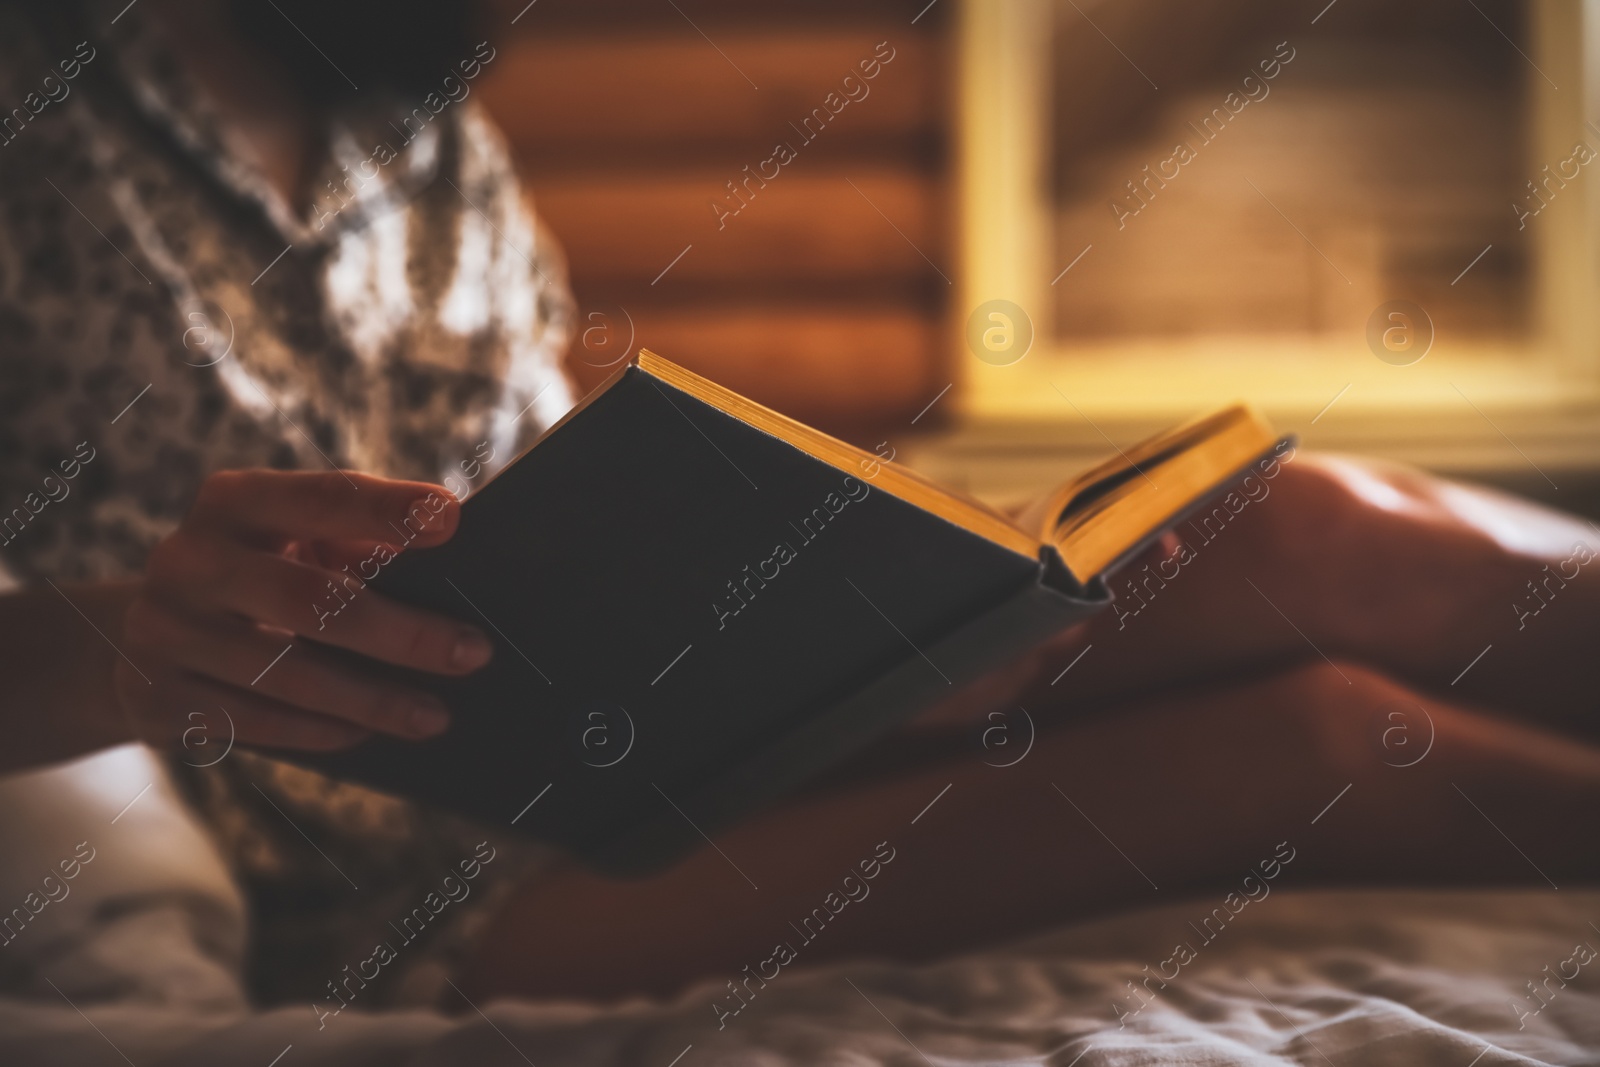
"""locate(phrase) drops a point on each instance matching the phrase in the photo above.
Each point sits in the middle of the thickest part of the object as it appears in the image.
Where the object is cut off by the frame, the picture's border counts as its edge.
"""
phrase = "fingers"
(167, 710)
(297, 675)
(360, 556)
(324, 606)
(268, 568)
(267, 507)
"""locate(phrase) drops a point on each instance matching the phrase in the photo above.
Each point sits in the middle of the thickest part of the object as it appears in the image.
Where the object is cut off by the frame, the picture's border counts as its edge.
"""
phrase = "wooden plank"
(562, 16)
(677, 90)
(835, 226)
(835, 366)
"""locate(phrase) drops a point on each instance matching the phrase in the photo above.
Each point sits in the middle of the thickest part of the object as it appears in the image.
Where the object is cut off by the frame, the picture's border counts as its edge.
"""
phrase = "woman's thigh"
(1355, 777)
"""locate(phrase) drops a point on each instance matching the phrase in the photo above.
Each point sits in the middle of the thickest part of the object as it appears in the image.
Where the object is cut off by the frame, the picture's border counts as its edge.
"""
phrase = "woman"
(272, 337)
(220, 257)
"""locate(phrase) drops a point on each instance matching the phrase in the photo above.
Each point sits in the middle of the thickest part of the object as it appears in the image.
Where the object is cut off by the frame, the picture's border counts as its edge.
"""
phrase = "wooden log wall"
(819, 285)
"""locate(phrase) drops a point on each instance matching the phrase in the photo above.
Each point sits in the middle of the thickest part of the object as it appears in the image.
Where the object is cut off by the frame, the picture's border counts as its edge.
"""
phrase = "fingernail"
(421, 516)
(428, 718)
(472, 650)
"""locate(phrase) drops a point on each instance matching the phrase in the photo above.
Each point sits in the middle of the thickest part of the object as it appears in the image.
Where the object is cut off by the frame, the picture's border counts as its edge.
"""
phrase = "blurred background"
(1377, 221)
(814, 298)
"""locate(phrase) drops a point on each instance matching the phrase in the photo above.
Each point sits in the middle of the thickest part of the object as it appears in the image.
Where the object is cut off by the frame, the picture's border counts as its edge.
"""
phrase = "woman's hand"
(240, 605)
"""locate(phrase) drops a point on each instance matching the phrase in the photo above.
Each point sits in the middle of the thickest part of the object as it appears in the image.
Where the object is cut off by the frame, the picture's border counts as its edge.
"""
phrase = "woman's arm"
(58, 656)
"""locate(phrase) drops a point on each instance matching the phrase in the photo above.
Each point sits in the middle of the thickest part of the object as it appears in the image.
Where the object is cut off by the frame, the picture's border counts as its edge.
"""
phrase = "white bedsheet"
(138, 964)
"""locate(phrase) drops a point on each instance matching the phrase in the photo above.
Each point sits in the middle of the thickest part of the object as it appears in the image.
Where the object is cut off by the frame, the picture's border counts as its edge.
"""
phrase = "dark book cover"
(690, 616)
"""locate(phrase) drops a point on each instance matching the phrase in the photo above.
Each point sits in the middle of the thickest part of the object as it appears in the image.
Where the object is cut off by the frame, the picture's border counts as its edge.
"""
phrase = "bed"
(139, 963)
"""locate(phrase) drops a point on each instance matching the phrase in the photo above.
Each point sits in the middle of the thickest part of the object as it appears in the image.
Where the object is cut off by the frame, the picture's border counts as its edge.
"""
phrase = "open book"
(697, 603)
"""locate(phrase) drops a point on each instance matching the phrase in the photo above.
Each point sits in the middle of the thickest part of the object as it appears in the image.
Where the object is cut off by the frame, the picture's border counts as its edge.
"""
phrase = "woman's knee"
(1349, 719)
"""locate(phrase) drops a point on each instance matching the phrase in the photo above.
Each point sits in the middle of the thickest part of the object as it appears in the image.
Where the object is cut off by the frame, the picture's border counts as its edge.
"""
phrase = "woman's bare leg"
(1181, 794)
(1383, 565)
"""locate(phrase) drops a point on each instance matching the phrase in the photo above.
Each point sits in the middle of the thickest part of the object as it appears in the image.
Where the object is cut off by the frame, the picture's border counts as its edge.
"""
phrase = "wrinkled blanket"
(136, 960)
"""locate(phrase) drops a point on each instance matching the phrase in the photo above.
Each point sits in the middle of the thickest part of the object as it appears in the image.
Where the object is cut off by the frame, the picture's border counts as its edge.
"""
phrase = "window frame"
(1495, 406)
